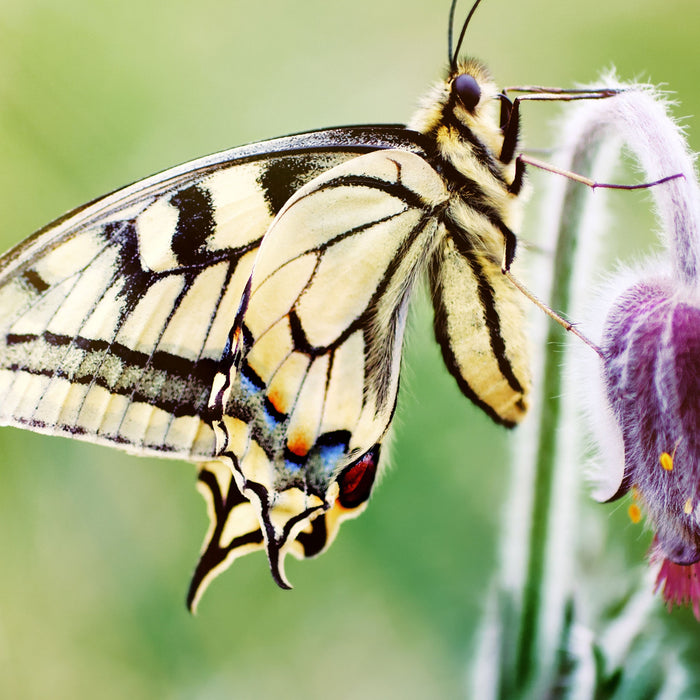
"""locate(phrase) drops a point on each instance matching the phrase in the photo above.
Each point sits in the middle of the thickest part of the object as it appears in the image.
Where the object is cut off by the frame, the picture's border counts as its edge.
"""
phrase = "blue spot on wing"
(330, 456)
(292, 467)
(271, 421)
(249, 386)
(292, 462)
(271, 415)
(331, 448)
(326, 455)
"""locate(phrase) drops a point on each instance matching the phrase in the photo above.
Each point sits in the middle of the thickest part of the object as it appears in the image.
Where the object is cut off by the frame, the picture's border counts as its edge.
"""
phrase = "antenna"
(452, 56)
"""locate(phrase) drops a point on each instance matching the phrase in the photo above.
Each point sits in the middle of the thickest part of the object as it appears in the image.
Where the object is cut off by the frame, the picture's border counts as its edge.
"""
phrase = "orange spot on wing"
(299, 444)
(277, 401)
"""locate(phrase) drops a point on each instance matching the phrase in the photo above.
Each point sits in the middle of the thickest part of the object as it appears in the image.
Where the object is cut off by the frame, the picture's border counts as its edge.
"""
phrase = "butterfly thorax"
(461, 121)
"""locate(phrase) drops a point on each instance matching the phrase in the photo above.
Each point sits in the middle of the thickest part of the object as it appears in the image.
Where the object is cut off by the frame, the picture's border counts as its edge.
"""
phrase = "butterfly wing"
(113, 319)
(308, 389)
(180, 317)
(480, 326)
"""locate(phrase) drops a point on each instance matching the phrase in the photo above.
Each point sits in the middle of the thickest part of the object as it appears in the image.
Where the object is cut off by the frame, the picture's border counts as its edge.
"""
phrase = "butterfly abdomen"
(479, 316)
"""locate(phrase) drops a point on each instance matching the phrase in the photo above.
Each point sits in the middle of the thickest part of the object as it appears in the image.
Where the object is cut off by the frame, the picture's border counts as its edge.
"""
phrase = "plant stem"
(530, 643)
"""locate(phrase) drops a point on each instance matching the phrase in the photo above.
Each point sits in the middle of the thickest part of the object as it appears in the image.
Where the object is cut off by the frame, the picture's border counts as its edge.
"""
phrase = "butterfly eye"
(468, 91)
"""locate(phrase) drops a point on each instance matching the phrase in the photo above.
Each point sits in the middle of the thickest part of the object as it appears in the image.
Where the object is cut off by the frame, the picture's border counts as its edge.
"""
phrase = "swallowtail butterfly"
(245, 311)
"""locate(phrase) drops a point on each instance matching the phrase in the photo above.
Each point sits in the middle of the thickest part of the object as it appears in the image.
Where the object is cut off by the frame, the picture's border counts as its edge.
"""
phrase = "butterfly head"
(473, 97)
(465, 114)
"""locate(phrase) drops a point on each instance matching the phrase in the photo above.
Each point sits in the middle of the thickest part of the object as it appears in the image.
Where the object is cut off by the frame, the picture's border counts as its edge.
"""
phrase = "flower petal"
(651, 348)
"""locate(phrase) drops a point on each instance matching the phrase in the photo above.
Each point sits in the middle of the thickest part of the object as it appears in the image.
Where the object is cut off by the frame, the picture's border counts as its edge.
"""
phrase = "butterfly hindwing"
(113, 320)
(315, 354)
(234, 526)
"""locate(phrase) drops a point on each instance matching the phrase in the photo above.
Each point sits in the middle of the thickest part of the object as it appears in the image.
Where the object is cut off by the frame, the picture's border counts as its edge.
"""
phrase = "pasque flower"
(650, 367)
(651, 371)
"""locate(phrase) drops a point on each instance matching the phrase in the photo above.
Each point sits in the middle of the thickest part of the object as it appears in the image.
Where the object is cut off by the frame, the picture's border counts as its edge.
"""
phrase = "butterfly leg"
(522, 160)
(566, 325)
(538, 92)
(510, 126)
(510, 110)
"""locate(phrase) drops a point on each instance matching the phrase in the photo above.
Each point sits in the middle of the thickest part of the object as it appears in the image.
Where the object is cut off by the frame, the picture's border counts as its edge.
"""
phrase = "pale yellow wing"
(114, 318)
(313, 368)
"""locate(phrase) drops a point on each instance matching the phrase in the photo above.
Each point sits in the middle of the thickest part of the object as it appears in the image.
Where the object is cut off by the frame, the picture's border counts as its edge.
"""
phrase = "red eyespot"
(356, 481)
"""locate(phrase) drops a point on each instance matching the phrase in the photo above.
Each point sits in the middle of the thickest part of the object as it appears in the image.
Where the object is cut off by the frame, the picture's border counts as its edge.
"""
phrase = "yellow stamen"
(666, 461)
(634, 513)
(688, 507)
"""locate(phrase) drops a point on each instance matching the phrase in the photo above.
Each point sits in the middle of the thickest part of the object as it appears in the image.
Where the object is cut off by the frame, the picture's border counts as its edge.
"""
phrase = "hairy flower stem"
(535, 643)
(529, 649)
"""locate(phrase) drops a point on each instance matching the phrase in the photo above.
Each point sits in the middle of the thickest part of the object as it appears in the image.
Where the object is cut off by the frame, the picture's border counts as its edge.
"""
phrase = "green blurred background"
(97, 547)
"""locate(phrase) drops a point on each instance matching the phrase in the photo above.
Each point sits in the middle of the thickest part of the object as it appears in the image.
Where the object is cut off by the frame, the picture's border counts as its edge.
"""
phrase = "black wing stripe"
(34, 280)
(314, 542)
(214, 554)
(395, 189)
(180, 399)
(194, 225)
(282, 177)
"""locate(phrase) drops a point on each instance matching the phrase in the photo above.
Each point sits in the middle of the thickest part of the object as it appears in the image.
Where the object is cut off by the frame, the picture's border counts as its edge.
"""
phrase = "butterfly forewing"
(113, 320)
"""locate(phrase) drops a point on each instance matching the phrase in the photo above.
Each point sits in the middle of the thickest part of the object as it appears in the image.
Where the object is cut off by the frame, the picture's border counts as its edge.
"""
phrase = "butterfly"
(246, 311)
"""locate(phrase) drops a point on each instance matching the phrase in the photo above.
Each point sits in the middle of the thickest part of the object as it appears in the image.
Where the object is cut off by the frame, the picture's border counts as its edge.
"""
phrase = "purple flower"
(679, 583)
(651, 371)
(644, 398)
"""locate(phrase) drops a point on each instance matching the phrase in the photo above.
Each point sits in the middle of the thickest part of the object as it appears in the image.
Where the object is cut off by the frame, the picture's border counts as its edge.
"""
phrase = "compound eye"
(468, 91)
